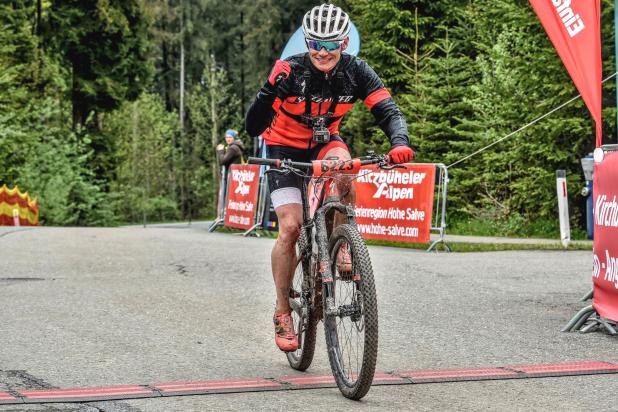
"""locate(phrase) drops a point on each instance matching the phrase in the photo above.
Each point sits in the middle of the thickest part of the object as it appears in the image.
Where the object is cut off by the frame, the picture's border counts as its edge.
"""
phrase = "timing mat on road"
(302, 381)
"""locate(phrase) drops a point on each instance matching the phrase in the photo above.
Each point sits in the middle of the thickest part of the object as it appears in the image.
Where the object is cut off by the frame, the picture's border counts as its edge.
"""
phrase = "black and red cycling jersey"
(280, 113)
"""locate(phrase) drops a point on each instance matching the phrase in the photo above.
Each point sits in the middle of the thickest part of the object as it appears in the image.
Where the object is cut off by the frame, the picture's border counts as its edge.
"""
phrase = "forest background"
(110, 109)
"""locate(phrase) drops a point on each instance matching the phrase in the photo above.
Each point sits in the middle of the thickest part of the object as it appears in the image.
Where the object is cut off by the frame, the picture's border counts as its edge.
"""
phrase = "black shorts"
(285, 189)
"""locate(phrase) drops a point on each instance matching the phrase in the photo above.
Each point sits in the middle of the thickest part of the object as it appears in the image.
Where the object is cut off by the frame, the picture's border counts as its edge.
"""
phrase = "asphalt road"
(97, 307)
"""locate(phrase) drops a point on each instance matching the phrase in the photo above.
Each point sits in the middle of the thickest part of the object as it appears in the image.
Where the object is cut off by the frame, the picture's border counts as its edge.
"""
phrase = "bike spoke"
(351, 328)
(350, 333)
(303, 319)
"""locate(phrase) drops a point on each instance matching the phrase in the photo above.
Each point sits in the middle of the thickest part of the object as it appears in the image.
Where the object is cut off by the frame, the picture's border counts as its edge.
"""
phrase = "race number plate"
(332, 167)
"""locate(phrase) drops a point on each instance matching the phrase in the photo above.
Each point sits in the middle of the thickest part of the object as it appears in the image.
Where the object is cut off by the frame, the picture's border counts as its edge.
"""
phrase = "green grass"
(514, 226)
(481, 247)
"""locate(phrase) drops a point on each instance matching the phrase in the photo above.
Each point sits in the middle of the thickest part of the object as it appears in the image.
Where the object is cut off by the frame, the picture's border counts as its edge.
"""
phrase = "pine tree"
(17, 67)
(520, 79)
(104, 42)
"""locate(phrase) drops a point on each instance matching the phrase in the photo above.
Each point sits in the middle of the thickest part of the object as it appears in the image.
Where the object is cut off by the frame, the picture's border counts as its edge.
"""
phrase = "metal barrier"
(439, 215)
(261, 204)
(221, 201)
(438, 221)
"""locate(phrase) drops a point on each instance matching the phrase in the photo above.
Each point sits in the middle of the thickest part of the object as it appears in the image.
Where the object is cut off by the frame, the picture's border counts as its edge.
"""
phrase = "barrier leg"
(598, 323)
(214, 225)
(440, 208)
(220, 220)
(609, 326)
(248, 232)
(588, 295)
(579, 319)
(260, 207)
(436, 242)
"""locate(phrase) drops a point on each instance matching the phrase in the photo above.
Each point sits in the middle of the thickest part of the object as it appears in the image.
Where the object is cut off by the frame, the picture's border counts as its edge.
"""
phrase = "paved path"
(204, 224)
(98, 307)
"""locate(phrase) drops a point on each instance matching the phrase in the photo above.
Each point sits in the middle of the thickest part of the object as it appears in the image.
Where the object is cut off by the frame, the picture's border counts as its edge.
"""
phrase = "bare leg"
(343, 184)
(345, 189)
(283, 257)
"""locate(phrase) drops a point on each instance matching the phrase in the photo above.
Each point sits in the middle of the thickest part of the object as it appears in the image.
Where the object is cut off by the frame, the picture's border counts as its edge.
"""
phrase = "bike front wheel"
(351, 323)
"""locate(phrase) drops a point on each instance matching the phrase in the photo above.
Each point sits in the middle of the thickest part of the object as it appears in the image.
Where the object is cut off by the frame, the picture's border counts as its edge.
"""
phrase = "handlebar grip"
(366, 162)
(265, 162)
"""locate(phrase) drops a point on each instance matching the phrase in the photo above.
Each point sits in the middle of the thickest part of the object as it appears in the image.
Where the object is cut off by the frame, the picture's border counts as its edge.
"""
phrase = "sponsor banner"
(243, 185)
(605, 259)
(574, 29)
(395, 204)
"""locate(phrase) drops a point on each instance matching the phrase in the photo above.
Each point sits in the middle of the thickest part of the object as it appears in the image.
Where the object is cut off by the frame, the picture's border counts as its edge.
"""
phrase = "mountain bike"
(342, 295)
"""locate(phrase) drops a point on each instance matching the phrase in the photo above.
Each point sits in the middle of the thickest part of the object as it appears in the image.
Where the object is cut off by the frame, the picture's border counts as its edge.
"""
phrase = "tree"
(17, 51)
(105, 44)
(520, 78)
(143, 146)
(212, 109)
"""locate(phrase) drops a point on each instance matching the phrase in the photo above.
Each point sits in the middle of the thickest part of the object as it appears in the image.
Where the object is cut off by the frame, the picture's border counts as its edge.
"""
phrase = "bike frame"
(319, 287)
(318, 221)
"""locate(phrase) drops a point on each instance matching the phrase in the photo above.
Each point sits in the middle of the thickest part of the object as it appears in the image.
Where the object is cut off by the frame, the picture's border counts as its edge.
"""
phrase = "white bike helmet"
(327, 23)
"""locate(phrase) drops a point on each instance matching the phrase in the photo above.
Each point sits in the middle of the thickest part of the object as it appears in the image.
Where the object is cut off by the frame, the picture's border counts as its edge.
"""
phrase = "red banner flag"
(395, 204)
(243, 184)
(605, 261)
(574, 29)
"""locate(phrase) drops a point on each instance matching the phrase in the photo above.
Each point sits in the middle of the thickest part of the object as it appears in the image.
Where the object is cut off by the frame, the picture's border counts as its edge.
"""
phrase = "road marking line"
(303, 381)
(564, 367)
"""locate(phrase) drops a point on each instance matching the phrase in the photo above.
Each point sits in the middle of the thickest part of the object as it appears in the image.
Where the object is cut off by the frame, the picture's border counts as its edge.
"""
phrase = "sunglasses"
(328, 45)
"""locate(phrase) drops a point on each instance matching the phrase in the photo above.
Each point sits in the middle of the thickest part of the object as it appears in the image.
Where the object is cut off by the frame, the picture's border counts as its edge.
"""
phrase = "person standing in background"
(233, 153)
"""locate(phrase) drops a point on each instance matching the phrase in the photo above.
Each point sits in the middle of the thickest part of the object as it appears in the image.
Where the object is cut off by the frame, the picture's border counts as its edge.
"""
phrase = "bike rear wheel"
(352, 330)
(303, 314)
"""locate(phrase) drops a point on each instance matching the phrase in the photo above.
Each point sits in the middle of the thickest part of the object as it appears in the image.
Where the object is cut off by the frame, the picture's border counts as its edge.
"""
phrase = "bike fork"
(324, 264)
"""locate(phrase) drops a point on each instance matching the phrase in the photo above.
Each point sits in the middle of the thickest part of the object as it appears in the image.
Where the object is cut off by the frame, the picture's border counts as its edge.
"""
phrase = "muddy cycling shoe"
(284, 332)
(344, 260)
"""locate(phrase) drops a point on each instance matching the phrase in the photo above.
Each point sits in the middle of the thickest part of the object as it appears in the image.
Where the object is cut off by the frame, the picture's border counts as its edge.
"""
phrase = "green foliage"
(90, 96)
(143, 147)
(56, 171)
(267, 26)
(464, 247)
(491, 222)
(467, 76)
(211, 107)
(37, 151)
(105, 44)
(17, 46)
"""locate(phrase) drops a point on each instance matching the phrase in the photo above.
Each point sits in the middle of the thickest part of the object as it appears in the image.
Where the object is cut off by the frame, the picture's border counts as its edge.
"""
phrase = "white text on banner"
(395, 204)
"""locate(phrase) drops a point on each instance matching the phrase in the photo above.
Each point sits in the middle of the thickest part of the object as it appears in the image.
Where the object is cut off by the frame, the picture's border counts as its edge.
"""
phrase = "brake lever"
(386, 166)
(282, 171)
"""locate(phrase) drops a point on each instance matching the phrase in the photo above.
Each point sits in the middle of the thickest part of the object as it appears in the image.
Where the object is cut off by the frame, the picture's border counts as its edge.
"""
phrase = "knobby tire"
(306, 330)
(353, 376)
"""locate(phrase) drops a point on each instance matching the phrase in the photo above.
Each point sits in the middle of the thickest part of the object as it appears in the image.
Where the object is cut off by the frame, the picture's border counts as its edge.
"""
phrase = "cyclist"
(298, 112)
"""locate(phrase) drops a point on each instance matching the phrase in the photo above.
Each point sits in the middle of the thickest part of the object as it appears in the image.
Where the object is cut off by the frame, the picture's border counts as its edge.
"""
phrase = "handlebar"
(327, 166)
(277, 163)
